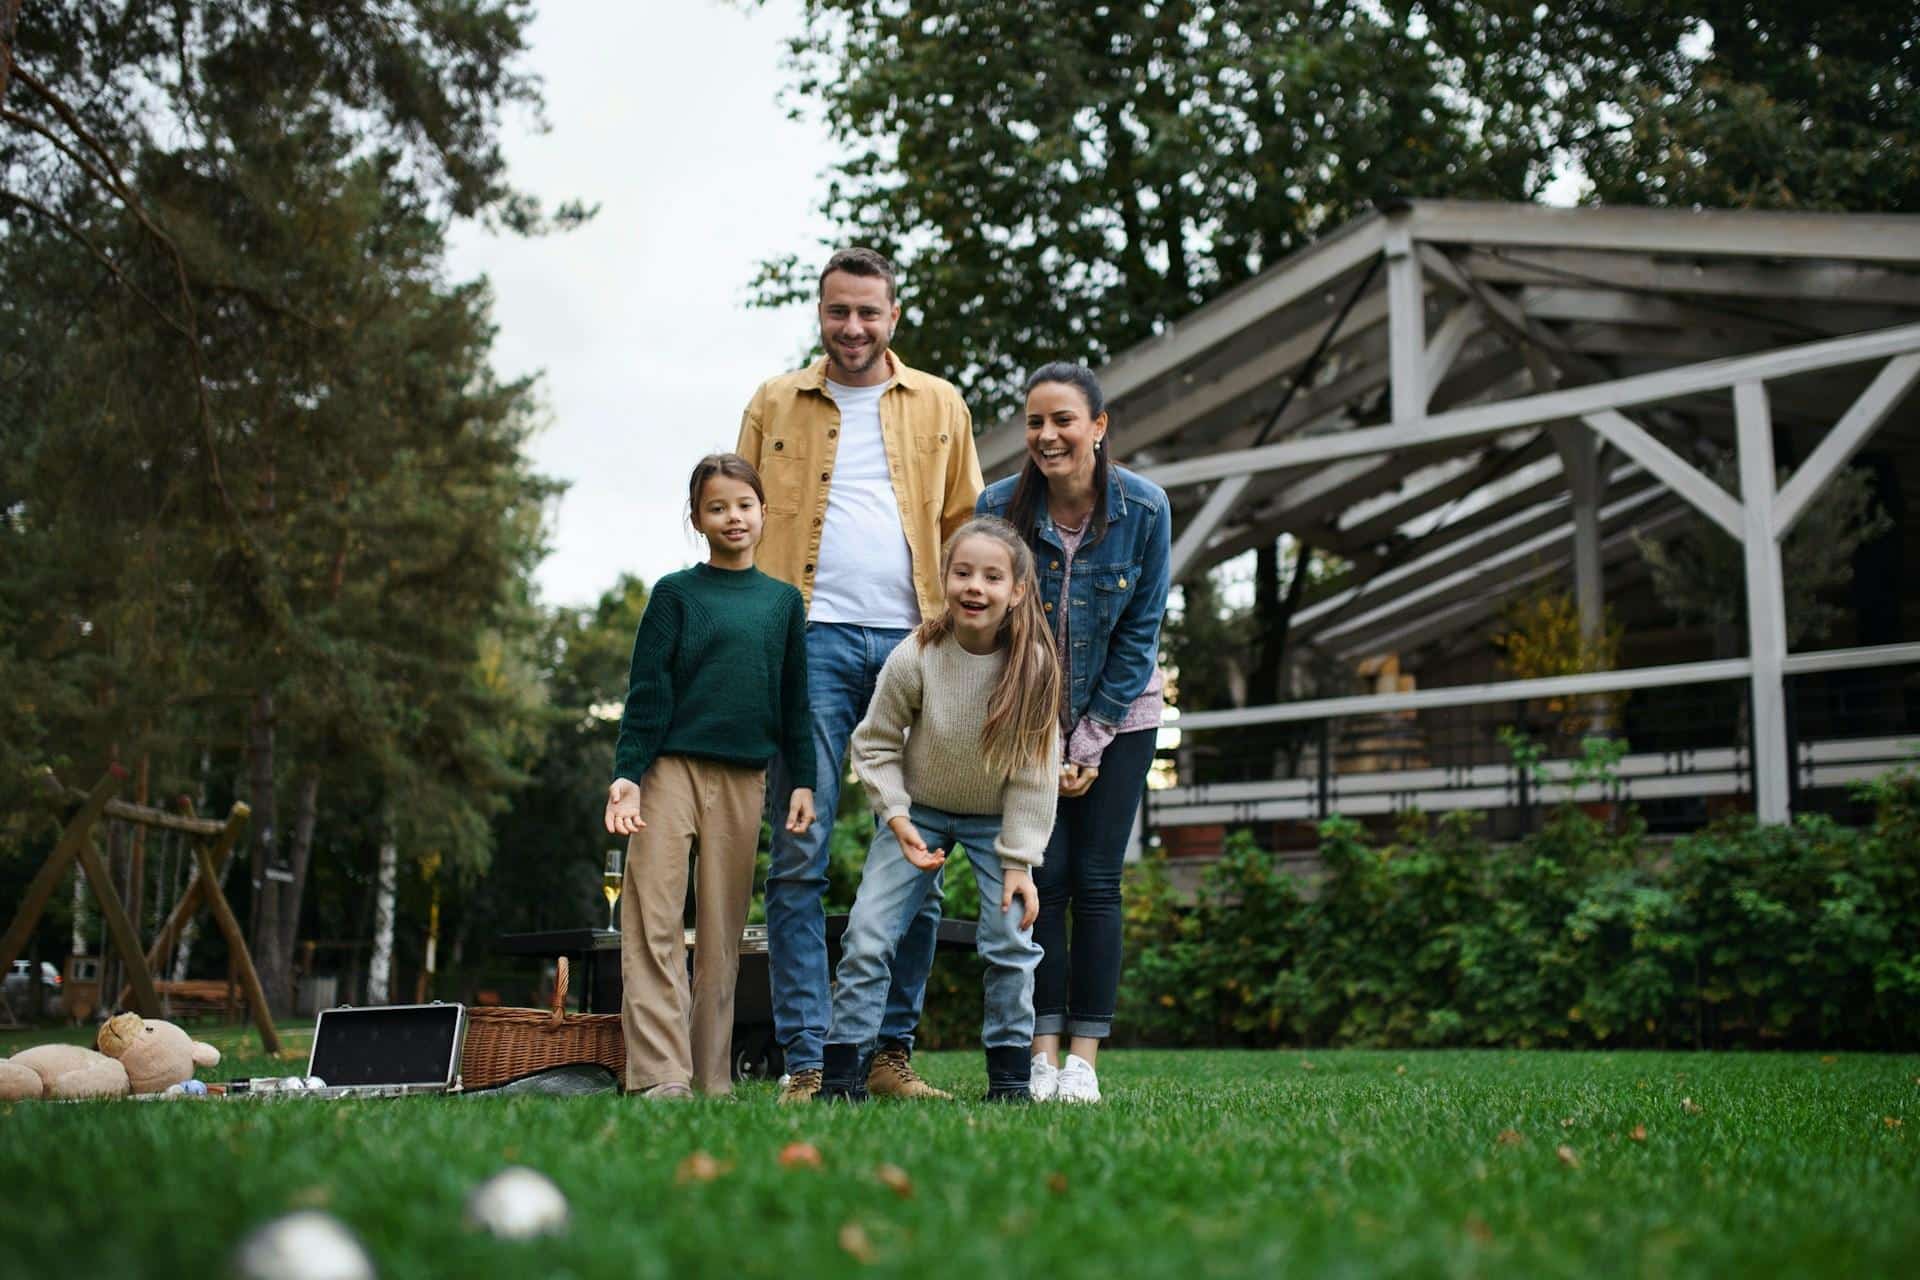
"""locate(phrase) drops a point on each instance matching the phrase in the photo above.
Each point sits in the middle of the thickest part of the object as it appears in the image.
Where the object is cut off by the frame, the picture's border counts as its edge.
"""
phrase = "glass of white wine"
(610, 886)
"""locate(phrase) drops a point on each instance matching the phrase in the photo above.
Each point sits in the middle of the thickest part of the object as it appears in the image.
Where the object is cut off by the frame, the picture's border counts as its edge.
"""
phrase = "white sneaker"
(1077, 1081)
(1045, 1081)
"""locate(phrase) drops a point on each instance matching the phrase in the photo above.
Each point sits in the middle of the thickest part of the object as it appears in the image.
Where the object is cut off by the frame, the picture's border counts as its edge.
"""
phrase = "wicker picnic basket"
(505, 1044)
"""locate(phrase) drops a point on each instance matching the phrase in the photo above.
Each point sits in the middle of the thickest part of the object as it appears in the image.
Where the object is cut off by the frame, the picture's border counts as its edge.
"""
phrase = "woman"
(1102, 538)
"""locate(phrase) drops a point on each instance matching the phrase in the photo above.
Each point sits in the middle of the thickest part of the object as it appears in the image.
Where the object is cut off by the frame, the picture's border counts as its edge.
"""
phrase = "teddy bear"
(61, 1071)
(155, 1054)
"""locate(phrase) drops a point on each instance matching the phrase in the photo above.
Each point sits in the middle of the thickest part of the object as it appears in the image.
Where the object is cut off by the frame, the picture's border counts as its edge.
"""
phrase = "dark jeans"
(1075, 987)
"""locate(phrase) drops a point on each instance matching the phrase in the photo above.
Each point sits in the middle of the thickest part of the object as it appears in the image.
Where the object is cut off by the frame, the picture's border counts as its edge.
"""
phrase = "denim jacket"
(1119, 592)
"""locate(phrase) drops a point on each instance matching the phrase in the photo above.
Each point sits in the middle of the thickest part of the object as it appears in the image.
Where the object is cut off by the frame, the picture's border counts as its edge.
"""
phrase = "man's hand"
(623, 807)
(800, 810)
(1076, 779)
(914, 848)
(1017, 882)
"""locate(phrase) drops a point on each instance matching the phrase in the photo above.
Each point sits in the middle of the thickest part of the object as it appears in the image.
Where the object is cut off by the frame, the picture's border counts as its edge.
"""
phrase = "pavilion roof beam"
(1239, 309)
(1196, 406)
(1828, 283)
(1851, 237)
(1597, 304)
(1193, 537)
(1430, 565)
(1841, 443)
(1572, 402)
(1511, 541)
(1400, 635)
(1496, 460)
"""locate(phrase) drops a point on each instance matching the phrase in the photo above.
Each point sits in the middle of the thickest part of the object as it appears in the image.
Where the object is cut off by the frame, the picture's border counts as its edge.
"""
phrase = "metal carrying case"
(389, 1049)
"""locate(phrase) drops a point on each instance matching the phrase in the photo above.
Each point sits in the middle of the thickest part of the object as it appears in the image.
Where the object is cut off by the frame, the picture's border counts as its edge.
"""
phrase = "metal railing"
(1853, 714)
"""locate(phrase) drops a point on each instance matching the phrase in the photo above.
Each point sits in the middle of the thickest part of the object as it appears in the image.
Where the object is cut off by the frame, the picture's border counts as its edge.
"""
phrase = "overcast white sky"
(664, 113)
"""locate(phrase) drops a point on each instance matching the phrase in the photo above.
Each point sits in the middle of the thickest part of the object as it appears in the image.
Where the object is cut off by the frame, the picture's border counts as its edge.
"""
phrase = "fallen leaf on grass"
(1567, 1157)
(1689, 1106)
(800, 1155)
(1509, 1138)
(1828, 1059)
(1567, 1123)
(895, 1179)
(1639, 1133)
(1477, 1228)
(701, 1167)
(1057, 1183)
(313, 1197)
(1400, 1070)
(1305, 1065)
(856, 1243)
(1892, 1122)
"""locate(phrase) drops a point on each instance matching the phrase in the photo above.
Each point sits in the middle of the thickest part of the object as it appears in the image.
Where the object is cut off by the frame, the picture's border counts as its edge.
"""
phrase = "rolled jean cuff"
(1049, 1024)
(1091, 1028)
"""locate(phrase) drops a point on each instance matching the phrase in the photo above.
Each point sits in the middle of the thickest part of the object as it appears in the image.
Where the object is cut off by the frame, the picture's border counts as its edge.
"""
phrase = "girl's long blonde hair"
(1025, 703)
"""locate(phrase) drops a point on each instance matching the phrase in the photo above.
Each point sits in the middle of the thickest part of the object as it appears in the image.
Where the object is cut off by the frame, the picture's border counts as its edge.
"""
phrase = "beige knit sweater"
(920, 744)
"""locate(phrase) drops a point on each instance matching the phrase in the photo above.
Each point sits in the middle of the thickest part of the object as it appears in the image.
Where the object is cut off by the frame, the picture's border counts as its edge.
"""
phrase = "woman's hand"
(623, 808)
(800, 810)
(1017, 882)
(914, 848)
(1076, 779)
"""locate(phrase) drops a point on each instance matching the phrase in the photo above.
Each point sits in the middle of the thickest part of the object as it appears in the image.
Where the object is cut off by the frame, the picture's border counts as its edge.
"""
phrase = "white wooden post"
(1576, 446)
(1766, 602)
(1406, 328)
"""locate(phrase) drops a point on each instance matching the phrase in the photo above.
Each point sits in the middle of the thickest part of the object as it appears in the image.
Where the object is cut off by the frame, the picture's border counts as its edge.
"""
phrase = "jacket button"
(832, 432)
(1055, 564)
(809, 568)
(1048, 606)
(943, 439)
(816, 522)
(778, 445)
(1123, 584)
(824, 475)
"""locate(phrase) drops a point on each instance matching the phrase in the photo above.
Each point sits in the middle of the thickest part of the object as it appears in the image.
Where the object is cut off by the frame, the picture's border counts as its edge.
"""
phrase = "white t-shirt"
(865, 574)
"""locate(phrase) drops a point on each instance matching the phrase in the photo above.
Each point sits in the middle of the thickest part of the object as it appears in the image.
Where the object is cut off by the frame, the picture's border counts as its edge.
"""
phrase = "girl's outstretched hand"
(800, 810)
(914, 848)
(623, 807)
(1018, 883)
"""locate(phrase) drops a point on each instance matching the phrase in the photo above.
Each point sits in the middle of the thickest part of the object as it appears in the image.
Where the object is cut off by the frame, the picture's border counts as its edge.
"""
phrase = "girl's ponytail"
(1025, 704)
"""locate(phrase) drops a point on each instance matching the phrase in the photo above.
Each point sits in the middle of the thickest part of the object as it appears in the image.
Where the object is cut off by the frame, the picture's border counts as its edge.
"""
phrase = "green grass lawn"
(1201, 1163)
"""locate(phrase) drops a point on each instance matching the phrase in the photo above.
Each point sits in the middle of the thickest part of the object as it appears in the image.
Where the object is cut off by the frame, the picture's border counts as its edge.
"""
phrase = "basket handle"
(559, 992)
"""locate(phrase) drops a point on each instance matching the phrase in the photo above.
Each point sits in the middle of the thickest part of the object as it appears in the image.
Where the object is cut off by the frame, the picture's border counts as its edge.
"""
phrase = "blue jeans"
(843, 664)
(892, 894)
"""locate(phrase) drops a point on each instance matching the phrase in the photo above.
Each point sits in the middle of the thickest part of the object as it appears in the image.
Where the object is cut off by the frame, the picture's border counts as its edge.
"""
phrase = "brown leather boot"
(800, 1086)
(892, 1075)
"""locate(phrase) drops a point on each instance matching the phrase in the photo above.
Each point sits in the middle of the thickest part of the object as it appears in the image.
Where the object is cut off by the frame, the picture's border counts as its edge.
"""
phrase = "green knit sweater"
(719, 672)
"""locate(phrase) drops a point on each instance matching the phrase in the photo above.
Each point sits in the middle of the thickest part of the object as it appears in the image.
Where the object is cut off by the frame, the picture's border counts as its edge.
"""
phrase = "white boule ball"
(294, 1082)
(308, 1245)
(518, 1204)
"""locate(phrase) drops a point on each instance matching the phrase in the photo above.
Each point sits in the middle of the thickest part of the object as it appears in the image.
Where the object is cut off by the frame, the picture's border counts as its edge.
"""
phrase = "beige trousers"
(687, 803)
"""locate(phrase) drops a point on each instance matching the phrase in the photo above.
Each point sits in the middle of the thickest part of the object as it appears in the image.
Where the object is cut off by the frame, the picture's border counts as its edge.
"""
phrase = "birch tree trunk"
(380, 968)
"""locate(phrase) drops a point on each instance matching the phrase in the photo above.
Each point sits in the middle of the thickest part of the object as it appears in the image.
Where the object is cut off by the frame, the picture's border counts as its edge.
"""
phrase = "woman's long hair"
(1026, 702)
(1023, 512)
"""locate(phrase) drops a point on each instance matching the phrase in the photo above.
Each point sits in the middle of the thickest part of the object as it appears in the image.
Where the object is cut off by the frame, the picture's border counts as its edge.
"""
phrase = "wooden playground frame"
(213, 845)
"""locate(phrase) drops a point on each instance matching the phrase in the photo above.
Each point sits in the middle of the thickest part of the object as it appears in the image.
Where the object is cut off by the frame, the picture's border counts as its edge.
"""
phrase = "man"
(868, 466)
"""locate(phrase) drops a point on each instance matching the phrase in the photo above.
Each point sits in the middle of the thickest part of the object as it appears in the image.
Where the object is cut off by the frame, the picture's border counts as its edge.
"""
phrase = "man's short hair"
(860, 262)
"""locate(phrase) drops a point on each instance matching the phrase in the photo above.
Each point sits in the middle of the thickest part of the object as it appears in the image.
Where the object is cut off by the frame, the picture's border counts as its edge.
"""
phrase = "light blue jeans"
(892, 893)
(843, 665)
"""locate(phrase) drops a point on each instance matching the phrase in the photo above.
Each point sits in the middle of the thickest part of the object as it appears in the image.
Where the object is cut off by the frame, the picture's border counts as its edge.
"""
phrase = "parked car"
(19, 983)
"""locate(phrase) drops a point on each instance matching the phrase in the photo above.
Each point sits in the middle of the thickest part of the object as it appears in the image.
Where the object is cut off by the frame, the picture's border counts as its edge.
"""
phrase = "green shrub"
(1583, 934)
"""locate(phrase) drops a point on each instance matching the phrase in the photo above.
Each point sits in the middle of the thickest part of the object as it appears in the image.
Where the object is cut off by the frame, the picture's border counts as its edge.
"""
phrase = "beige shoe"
(668, 1091)
(892, 1076)
(800, 1086)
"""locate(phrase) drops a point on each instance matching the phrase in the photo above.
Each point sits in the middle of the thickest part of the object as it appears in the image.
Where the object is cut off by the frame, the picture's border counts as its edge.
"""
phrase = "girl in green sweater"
(718, 684)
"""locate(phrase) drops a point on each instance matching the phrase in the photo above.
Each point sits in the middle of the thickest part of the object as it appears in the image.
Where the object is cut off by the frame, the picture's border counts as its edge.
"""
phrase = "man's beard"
(877, 352)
